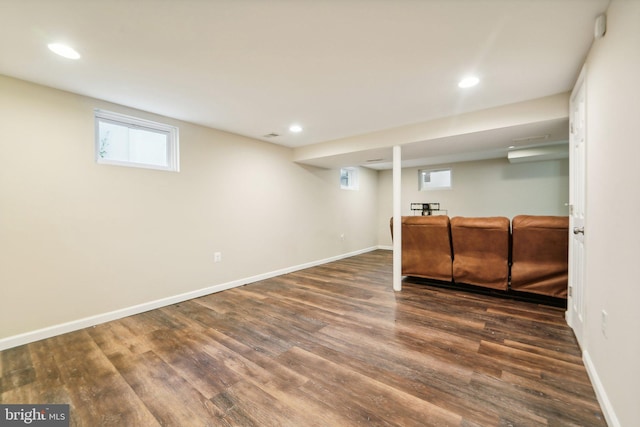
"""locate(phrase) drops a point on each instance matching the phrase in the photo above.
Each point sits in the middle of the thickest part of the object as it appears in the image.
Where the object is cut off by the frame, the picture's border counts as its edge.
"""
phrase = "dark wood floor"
(328, 346)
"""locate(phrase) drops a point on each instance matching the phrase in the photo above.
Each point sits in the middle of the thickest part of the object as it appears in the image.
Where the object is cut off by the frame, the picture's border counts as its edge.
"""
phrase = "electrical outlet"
(217, 257)
(603, 322)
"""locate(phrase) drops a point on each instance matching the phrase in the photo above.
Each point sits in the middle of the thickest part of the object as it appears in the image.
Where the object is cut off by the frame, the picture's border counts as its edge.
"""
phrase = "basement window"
(349, 178)
(129, 141)
(434, 179)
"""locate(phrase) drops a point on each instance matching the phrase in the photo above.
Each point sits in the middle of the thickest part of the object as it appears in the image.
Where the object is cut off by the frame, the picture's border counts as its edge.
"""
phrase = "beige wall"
(613, 203)
(79, 239)
(483, 188)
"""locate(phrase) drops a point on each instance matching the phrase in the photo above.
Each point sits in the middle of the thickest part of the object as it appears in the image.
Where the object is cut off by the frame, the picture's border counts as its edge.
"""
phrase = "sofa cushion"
(481, 251)
(540, 255)
(426, 247)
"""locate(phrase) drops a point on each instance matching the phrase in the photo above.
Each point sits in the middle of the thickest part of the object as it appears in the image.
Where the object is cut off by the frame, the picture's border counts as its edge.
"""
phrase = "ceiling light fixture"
(64, 50)
(295, 128)
(468, 82)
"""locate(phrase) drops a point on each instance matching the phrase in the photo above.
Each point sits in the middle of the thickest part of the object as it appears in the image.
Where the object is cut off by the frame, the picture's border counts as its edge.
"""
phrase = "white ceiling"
(339, 68)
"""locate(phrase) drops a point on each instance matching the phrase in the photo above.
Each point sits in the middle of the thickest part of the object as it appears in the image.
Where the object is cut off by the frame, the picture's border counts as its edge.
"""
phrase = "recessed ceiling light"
(468, 82)
(295, 128)
(64, 50)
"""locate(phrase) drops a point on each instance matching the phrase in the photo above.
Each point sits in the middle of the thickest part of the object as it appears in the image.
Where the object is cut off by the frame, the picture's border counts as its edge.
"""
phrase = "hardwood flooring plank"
(17, 368)
(512, 357)
(115, 337)
(410, 359)
(423, 381)
(98, 394)
(256, 366)
(309, 408)
(273, 378)
(47, 385)
(149, 321)
(15, 359)
(17, 378)
(542, 351)
(500, 398)
(394, 406)
(234, 416)
(290, 409)
(44, 363)
(262, 340)
(549, 399)
(351, 413)
(534, 315)
(169, 397)
(195, 312)
(524, 401)
(206, 373)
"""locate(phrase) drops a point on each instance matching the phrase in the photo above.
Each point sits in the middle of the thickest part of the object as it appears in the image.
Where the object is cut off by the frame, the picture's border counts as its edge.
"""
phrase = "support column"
(397, 218)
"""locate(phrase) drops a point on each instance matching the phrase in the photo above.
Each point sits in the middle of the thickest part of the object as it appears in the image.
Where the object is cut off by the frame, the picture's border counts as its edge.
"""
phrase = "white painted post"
(397, 218)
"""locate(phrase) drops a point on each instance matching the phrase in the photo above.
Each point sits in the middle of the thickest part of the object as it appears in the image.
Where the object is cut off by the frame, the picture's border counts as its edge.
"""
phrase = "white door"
(577, 166)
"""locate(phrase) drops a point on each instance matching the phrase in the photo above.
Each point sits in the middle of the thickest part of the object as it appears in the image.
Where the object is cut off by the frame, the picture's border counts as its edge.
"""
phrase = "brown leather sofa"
(481, 251)
(426, 247)
(540, 255)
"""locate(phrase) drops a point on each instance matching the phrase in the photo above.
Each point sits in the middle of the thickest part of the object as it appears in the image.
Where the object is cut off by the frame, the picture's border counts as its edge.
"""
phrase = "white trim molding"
(63, 328)
(601, 393)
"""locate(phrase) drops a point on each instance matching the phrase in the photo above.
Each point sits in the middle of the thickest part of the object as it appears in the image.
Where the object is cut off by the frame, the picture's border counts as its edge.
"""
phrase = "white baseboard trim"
(63, 328)
(386, 248)
(601, 394)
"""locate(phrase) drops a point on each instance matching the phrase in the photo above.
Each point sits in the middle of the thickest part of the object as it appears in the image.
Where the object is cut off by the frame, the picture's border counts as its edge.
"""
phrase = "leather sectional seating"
(483, 251)
(426, 247)
(540, 255)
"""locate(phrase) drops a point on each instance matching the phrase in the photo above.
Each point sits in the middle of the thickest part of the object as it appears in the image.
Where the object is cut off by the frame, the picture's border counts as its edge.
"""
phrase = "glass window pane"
(434, 179)
(114, 142)
(147, 147)
(349, 179)
(344, 177)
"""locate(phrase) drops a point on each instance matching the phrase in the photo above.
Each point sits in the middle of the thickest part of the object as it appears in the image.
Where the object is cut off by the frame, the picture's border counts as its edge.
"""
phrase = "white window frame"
(173, 149)
(423, 186)
(353, 181)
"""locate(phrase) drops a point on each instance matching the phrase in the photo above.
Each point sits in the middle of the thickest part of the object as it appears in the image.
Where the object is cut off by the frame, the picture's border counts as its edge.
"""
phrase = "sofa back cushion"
(540, 255)
(481, 251)
(426, 247)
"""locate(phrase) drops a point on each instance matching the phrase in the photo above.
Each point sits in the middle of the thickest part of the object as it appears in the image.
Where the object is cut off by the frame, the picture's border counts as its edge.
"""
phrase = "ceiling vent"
(271, 135)
(549, 152)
